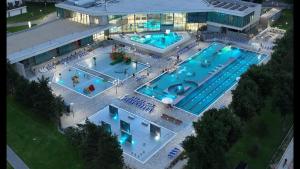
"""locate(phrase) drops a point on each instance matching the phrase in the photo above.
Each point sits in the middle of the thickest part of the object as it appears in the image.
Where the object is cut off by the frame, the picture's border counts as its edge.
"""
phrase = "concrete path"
(14, 160)
(289, 156)
(180, 164)
(50, 17)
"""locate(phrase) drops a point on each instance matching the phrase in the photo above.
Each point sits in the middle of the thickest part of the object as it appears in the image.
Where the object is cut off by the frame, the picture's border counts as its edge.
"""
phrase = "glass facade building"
(160, 22)
(230, 20)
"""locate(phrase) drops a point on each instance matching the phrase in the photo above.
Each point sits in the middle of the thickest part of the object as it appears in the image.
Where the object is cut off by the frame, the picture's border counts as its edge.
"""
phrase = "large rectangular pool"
(201, 79)
(158, 40)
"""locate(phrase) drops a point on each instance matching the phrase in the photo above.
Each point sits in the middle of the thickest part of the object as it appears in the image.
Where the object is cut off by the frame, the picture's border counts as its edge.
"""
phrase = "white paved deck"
(288, 156)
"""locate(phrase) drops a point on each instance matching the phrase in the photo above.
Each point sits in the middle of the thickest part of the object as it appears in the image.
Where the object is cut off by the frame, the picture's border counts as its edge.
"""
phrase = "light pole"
(116, 83)
(72, 108)
(136, 64)
(133, 49)
(148, 71)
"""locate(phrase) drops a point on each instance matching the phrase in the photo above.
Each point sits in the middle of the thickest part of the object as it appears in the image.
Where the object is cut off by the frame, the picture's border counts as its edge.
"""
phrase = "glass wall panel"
(115, 29)
(141, 22)
(229, 19)
(153, 22)
(167, 19)
(114, 19)
(98, 36)
(192, 26)
(43, 57)
(67, 48)
(179, 21)
(128, 25)
(87, 40)
(80, 18)
(197, 17)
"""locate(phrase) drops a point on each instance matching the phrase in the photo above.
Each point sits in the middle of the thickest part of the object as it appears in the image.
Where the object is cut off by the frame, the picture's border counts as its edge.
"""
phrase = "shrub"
(261, 128)
(254, 150)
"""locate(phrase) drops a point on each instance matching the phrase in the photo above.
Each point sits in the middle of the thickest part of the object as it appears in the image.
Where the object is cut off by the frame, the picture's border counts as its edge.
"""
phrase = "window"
(167, 19)
(80, 18)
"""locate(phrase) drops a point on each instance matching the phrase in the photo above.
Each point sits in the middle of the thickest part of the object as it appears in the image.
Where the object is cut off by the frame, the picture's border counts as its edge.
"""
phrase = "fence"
(280, 150)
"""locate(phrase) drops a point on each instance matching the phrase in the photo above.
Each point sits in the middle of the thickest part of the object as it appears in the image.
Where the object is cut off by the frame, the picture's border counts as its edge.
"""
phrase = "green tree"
(12, 78)
(246, 99)
(36, 95)
(263, 77)
(284, 93)
(100, 149)
(215, 134)
(44, 102)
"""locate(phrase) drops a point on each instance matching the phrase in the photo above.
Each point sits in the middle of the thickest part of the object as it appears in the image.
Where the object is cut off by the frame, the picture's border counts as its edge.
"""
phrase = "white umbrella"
(167, 100)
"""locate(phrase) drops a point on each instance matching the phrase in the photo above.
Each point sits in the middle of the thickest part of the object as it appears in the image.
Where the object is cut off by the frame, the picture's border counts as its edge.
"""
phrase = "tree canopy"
(36, 95)
(99, 148)
(215, 133)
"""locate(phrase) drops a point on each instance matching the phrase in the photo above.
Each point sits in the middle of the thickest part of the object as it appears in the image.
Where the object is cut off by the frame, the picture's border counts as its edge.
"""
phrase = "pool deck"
(85, 107)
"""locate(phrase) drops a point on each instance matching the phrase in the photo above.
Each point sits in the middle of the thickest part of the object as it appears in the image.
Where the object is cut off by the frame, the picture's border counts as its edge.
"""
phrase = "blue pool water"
(119, 71)
(202, 78)
(84, 81)
(160, 40)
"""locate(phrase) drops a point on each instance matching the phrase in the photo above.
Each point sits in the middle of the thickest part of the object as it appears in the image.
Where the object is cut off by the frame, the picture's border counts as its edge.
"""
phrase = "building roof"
(46, 37)
(270, 13)
(124, 7)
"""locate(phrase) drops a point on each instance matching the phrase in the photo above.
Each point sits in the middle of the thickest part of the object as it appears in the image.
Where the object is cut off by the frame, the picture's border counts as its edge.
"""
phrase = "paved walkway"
(50, 17)
(14, 160)
(289, 156)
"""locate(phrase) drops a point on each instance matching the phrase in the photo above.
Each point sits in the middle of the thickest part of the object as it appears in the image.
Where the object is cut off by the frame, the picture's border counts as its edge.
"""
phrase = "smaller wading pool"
(102, 64)
(81, 82)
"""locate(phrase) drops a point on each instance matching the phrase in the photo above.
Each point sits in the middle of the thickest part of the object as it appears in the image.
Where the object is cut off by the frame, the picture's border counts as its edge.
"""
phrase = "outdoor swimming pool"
(117, 71)
(81, 82)
(161, 40)
(197, 82)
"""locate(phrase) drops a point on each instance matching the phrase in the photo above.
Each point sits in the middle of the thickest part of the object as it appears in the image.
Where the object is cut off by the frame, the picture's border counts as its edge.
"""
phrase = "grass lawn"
(33, 12)
(286, 16)
(18, 28)
(37, 141)
(8, 166)
(267, 144)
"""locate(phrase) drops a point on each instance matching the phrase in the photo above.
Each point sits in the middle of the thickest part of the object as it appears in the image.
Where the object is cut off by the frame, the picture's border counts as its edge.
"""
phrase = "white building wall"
(16, 11)
(20, 69)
